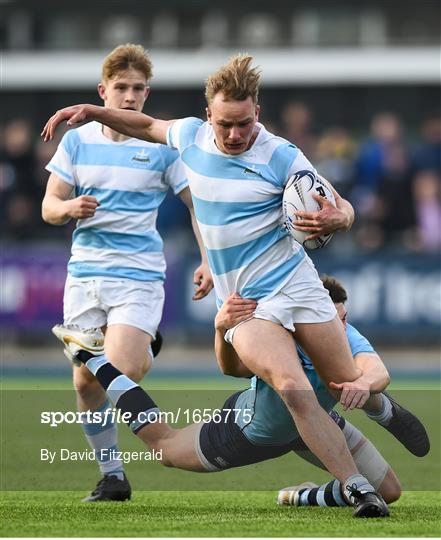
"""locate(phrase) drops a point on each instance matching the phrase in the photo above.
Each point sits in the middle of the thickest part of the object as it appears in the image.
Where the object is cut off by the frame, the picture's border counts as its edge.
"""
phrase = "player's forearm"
(197, 235)
(347, 208)
(131, 123)
(227, 358)
(55, 211)
(374, 371)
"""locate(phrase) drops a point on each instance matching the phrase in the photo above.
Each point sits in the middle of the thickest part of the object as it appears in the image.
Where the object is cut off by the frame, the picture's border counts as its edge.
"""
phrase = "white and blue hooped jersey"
(130, 179)
(271, 423)
(238, 205)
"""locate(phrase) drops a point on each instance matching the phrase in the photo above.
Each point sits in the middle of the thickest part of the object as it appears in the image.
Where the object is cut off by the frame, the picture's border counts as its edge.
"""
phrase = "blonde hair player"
(113, 185)
(237, 172)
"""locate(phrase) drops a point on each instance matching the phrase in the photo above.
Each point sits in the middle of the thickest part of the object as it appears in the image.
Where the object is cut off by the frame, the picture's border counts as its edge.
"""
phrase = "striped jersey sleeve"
(174, 172)
(182, 133)
(62, 163)
(300, 163)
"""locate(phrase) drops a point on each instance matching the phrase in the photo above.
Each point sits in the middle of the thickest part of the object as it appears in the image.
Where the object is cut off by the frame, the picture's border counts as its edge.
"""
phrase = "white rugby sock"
(358, 482)
(384, 415)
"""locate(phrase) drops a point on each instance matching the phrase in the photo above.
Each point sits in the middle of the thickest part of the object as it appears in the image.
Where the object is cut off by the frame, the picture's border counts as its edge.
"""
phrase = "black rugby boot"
(407, 429)
(110, 488)
(368, 504)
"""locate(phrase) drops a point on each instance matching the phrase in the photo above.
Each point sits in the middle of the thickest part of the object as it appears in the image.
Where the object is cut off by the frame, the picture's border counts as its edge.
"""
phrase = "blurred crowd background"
(372, 126)
(390, 173)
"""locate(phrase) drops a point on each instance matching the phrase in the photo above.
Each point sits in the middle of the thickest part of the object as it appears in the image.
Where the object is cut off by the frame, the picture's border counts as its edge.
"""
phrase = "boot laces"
(353, 491)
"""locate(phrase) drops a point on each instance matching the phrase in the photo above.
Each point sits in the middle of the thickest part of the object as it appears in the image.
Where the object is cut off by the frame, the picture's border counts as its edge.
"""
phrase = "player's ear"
(257, 112)
(101, 91)
(207, 110)
(146, 92)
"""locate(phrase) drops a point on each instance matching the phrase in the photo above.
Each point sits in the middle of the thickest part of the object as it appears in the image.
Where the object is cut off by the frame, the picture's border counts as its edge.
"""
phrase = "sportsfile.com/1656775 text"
(189, 416)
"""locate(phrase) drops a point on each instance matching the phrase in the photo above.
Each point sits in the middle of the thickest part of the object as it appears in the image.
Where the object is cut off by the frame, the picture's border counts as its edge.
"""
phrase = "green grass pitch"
(168, 502)
(207, 514)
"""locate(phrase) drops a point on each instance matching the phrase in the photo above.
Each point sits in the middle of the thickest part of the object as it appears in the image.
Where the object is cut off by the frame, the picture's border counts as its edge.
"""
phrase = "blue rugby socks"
(331, 494)
(137, 406)
(326, 495)
(103, 438)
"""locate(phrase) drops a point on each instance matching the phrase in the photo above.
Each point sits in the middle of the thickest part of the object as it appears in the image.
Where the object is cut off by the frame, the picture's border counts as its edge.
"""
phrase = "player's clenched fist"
(203, 281)
(82, 207)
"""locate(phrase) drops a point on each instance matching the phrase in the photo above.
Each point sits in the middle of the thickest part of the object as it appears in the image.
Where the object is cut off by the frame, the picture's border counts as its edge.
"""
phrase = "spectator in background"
(296, 127)
(426, 187)
(427, 200)
(382, 175)
(19, 192)
(335, 157)
(383, 170)
(427, 154)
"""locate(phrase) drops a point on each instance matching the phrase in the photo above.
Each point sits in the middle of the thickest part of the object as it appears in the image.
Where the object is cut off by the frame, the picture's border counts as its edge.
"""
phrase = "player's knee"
(166, 461)
(160, 445)
(283, 383)
(136, 369)
(297, 395)
(164, 457)
(86, 387)
(391, 492)
(136, 373)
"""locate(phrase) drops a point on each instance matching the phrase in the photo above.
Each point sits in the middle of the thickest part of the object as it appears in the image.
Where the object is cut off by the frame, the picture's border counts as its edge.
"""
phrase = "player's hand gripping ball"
(298, 196)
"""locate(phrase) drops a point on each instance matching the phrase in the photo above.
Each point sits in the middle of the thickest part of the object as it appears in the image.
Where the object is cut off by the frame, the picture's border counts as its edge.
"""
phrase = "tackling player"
(270, 418)
(237, 172)
(260, 427)
(113, 185)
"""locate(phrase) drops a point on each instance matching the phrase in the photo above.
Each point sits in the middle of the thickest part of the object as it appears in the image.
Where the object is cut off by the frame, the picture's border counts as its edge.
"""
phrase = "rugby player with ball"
(237, 173)
(254, 425)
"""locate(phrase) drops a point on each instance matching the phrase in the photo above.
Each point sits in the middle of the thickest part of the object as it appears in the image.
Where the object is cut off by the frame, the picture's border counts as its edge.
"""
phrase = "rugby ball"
(298, 196)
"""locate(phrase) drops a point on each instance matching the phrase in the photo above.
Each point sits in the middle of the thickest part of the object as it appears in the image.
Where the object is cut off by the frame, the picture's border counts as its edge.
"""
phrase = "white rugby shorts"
(303, 299)
(96, 302)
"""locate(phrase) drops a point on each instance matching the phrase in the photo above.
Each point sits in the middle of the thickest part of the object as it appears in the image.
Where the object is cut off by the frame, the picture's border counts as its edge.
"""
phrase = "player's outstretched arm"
(374, 379)
(329, 218)
(234, 310)
(130, 123)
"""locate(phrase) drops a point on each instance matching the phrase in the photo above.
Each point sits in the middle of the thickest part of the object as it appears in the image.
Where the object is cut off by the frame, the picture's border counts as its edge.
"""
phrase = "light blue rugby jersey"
(130, 179)
(271, 422)
(238, 205)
